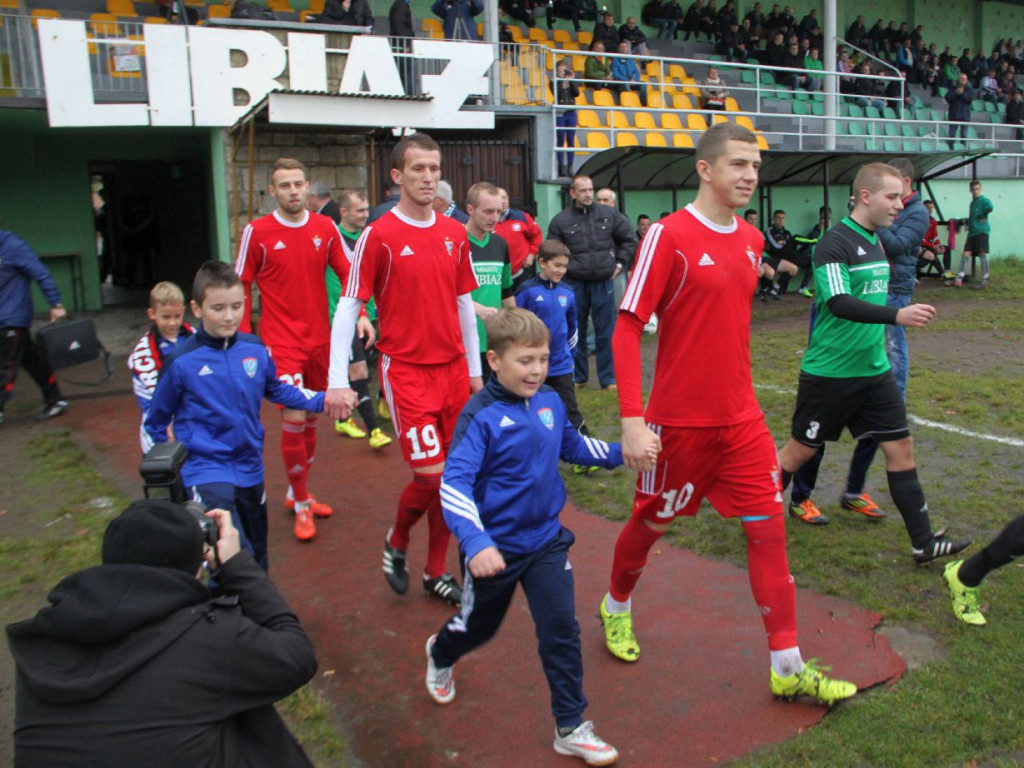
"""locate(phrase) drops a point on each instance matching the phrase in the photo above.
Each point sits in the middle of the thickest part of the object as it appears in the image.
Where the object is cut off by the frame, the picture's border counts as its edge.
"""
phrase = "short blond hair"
(515, 326)
(871, 177)
(165, 293)
(473, 195)
(288, 164)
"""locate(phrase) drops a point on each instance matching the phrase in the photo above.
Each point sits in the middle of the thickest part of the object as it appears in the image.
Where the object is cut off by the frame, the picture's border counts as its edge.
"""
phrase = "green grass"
(39, 555)
(967, 706)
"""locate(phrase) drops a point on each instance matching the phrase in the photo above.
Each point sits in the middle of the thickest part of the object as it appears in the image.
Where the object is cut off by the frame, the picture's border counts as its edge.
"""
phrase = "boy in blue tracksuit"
(501, 495)
(212, 386)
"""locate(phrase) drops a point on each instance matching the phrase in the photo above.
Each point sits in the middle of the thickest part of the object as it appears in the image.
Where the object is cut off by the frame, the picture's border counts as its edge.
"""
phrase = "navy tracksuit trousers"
(547, 580)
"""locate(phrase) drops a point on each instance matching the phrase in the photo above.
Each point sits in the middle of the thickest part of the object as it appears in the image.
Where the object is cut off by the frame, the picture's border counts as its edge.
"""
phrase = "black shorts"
(358, 353)
(976, 244)
(869, 406)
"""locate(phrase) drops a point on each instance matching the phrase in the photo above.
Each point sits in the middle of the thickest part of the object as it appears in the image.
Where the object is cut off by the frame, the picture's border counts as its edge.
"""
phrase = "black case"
(68, 343)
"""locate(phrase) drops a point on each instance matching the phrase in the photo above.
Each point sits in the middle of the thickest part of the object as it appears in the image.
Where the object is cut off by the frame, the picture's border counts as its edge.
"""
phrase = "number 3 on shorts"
(425, 436)
(675, 500)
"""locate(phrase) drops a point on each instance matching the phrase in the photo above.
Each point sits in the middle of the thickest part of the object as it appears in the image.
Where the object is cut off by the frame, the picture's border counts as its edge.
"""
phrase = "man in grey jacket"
(602, 244)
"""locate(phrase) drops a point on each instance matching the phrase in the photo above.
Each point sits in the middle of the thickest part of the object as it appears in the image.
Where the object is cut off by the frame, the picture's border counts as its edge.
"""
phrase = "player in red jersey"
(417, 266)
(287, 253)
(698, 270)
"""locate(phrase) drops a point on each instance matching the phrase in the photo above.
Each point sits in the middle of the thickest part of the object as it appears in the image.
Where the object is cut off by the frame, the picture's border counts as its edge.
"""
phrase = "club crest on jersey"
(563, 301)
(316, 241)
(547, 418)
(249, 366)
(517, 227)
(448, 245)
(753, 257)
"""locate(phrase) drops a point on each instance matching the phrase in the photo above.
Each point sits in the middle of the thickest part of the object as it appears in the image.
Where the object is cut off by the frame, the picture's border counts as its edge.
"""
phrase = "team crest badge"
(249, 364)
(563, 301)
(317, 241)
(517, 227)
(448, 245)
(547, 418)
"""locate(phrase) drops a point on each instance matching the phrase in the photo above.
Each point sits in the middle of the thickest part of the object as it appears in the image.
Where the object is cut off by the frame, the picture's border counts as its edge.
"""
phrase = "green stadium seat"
(1001, 108)
(892, 128)
(891, 146)
(818, 108)
(855, 110)
(995, 117)
(908, 130)
(911, 146)
(799, 95)
(978, 105)
(747, 76)
(856, 128)
(871, 113)
(889, 113)
(971, 133)
(942, 92)
(767, 78)
(990, 106)
(801, 108)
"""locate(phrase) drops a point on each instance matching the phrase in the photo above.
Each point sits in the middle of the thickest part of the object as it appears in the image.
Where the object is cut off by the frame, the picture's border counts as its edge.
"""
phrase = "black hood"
(103, 624)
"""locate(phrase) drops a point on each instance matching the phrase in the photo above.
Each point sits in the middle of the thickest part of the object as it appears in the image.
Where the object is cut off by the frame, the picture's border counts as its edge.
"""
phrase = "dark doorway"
(155, 223)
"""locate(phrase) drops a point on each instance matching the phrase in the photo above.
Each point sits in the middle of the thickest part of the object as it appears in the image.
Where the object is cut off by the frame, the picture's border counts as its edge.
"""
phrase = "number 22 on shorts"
(424, 441)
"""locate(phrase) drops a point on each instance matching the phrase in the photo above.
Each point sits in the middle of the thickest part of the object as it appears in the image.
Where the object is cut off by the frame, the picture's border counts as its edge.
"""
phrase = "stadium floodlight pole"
(831, 76)
(491, 36)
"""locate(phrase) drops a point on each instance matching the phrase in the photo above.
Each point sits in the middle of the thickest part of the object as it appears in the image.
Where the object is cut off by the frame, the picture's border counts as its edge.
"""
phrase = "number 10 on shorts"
(675, 500)
(421, 438)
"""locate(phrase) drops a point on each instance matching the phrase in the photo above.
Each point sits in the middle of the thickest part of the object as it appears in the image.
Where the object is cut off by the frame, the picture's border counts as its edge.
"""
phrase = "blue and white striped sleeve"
(461, 513)
(588, 451)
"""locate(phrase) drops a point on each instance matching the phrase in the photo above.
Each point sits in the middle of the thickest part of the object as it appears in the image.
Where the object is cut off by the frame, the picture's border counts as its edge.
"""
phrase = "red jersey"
(699, 278)
(415, 270)
(523, 238)
(288, 261)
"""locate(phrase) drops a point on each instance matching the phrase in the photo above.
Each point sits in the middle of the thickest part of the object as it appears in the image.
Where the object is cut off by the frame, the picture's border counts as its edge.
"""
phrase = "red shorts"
(735, 468)
(425, 402)
(302, 366)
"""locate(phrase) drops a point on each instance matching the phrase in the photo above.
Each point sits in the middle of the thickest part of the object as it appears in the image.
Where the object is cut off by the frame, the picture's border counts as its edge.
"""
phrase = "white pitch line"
(1017, 443)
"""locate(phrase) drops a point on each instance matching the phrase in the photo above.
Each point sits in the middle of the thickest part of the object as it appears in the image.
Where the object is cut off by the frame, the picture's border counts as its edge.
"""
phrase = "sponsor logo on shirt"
(547, 418)
(249, 365)
(205, 370)
(407, 251)
(706, 261)
(280, 246)
(540, 298)
(505, 422)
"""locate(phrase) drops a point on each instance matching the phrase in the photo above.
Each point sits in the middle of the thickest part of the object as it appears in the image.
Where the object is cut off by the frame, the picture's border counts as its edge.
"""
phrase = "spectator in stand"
(1015, 113)
(707, 19)
(352, 13)
(653, 15)
(749, 40)
(673, 16)
(959, 99)
(733, 44)
(789, 20)
(713, 91)
(692, 20)
(773, 22)
(864, 88)
(845, 69)
(857, 32)
(892, 40)
(905, 58)
(949, 71)
(400, 34)
(725, 18)
(874, 40)
(932, 247)
(756, 19)
(990, 90)
(457, 17)
(813, 61)
(606, 32)
(808, 22)
(1008, 83)
(635, 36)
(598, 68)
(566, 92)
(796, 80)
(775, 52)
(626, 73)
(444, 203)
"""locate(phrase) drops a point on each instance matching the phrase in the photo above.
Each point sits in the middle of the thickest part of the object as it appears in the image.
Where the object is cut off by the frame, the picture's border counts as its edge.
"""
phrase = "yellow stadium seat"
(569, 46)
(587, 118)
(682, 141)
(745, 121)
(645, 121)
(433, 28)
(681, 101)
(653, 69)
(598, 140)
(281, 6)
(581, 98)
(43, 13)
(218, 11)
(561, 36)
(154, 20)
(630, 99)
(655, 140)
(695, 122)
(716, 119)
(15, 4)
(579, 61)
(626, 140)
(762, 142)
(585, 38)
(677, 70)
(121, 8)
(537, 34)
(731, 105)
(317, 6)
(618, 120)
(480, 31)
(670, 122)
(604, 98)
(517, 33)
(653, 99)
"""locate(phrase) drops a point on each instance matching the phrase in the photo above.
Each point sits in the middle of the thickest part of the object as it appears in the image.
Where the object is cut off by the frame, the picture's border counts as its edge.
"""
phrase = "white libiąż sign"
(191, 82)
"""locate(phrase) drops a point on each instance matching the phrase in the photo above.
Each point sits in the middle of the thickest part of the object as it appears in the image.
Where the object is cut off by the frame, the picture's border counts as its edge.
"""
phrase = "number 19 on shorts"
(424, 441)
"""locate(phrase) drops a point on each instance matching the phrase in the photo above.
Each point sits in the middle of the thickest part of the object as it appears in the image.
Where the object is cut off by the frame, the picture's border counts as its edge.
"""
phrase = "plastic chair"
(121, 8)
(731, 105)
(655, 140)
(538, 34)
(626, 140)
(682, 140)
(644, 121)
(587, 118)
(718, 118)
(670, 122)
(653, 99)
(604, 98)
(585, 38)
(695, 122)
(561, 36)
(746, 122)
(597, 140)
(681, 101)
(762, 142)
(630, 99)
(433, 28)
(618, 120)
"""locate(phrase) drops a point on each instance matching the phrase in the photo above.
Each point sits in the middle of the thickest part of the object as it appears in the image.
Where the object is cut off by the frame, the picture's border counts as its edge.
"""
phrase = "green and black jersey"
(848, 260)
(493, 271)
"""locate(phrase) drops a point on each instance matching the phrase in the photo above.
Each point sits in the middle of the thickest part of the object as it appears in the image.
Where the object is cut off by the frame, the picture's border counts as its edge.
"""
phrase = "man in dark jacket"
(351, 13)
(457, 17)
(389, 202)
(602, 243)
(134, 663)
(19, 267)
(959, 98)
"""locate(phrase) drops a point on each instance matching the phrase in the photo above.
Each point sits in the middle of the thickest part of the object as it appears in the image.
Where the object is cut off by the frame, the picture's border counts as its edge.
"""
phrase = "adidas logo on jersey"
(505, 422)
(540, 298)
(706, 261)
(205, 370)
(407, 251)
(861, 251)
(280, 246)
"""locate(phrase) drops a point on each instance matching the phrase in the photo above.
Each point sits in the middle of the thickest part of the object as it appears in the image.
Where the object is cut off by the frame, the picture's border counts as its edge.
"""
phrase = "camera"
(161, 479)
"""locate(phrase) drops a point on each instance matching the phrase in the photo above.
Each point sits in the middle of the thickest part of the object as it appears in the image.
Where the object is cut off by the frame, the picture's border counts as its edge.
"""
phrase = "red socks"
(631, 548)
(293, 451)
(768, 570)
(417, 498)
(309, 437)
(437, 545)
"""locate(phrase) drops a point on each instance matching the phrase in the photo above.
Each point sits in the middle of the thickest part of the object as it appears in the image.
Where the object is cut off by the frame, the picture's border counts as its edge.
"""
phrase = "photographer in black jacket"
(602, 244)
(135, 664)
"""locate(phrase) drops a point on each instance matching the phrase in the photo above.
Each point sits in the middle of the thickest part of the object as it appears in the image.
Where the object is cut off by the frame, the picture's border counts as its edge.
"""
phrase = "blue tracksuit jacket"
(19, 266)
(501, 485)
(212, 389)
(555, 305)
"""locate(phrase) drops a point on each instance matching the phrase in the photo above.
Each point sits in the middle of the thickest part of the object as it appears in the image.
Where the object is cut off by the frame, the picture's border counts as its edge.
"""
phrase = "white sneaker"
(587, 745)
(440, 684)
